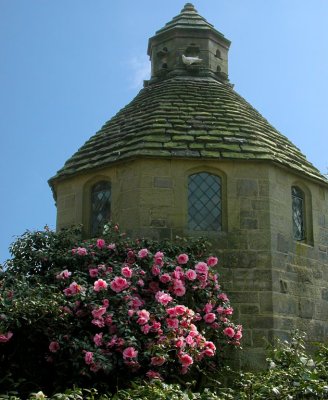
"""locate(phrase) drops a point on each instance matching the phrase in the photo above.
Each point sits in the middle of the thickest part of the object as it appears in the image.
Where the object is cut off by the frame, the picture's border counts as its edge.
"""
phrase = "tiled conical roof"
(187, 117)
(188, 19)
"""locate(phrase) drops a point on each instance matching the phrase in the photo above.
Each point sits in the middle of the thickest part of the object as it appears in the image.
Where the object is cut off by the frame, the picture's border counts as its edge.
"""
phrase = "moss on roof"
(187, 117)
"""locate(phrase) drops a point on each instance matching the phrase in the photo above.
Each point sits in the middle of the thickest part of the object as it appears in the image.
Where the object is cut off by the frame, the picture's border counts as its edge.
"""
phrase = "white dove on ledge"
(191, 60)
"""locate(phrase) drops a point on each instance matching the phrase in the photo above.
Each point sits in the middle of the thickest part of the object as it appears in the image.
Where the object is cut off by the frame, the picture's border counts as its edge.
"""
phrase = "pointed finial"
(189, 7)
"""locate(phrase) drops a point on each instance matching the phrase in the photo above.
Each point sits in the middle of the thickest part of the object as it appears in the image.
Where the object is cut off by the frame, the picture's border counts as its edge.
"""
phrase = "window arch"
(204, 202)
(101, 194)
(298, 213)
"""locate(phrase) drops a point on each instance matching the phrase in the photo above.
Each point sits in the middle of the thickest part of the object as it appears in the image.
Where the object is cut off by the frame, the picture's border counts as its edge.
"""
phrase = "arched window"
(204, 202)
(298, 210)
(100, 206)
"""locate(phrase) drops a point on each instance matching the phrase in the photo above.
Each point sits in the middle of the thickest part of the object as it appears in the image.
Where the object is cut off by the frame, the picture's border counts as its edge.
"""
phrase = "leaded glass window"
(204, 202)
(100, 206)
(298, 213)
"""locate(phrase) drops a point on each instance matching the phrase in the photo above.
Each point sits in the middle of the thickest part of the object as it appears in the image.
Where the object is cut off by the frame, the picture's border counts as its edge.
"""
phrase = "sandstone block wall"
(276, 284)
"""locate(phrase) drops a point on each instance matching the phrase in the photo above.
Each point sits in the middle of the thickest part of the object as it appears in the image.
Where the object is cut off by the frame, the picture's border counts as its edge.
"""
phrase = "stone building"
(189, 156)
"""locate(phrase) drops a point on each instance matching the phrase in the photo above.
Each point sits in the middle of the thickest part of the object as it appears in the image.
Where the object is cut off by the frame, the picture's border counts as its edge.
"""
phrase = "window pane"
(298, 213)
(204, 202)
(100, 206)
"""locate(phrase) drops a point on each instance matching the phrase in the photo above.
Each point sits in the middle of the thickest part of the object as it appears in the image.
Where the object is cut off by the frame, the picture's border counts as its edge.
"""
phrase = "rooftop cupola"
(188, 45)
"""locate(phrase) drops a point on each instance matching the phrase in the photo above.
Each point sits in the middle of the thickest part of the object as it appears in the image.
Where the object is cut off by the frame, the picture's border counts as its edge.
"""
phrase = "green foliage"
(293, 374)
(52, 337)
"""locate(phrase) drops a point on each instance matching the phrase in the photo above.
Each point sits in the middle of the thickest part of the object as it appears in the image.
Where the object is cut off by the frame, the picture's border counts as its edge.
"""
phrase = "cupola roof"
(190, 115)
(188, 19)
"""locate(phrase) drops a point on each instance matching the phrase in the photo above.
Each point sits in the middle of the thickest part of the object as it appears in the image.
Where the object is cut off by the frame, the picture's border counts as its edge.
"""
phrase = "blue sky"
(67, 66)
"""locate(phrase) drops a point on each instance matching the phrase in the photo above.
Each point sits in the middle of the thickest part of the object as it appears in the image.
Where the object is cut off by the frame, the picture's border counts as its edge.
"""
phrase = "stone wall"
(299, 269)
(275, 283)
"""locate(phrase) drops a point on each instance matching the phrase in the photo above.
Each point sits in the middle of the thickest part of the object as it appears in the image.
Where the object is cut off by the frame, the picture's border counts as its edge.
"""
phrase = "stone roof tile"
(178, 118)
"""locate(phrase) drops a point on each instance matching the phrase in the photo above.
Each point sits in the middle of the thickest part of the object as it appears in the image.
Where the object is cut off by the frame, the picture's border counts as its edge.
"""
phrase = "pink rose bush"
(124, 308)
(139, 310)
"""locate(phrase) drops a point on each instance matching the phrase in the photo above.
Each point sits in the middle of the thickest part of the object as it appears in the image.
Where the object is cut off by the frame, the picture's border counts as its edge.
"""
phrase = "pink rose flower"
(165, 278)
(158, 258)
(118, 284)
(73, 288)
(179, 288)
(99, 285)
(238, 335)
(155, 270)
(120, 342)
(156, 326)
(130, 352)
(191, 275)
(183, 258)
(180, 343)
(141, 282)
(184, 323)
(100, 243)
(93, 272)
(98, 339)
(88, 357)
(224, 311)
(209, 318)
(185, 360)
(143, 317)
(220, 310)
(127, 272)
(212, 261)
(223, 297)
(177, 273)
(143, 253)
(197, 317)
(4, 337)
(190, 340)
(111, 246)
(100, 322)
(131, 255)
(98, 312)
(208, 307)
(137, 302)
(201, 268)
(81, 251)
(172, 323)
(180, 309)
(54, 347)
(163, 298)
(153, 375)
(208, 352)
(210, 345)
(64, 274)
(145, 329)
(229, 332)
(157, 360)
(171, 312)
